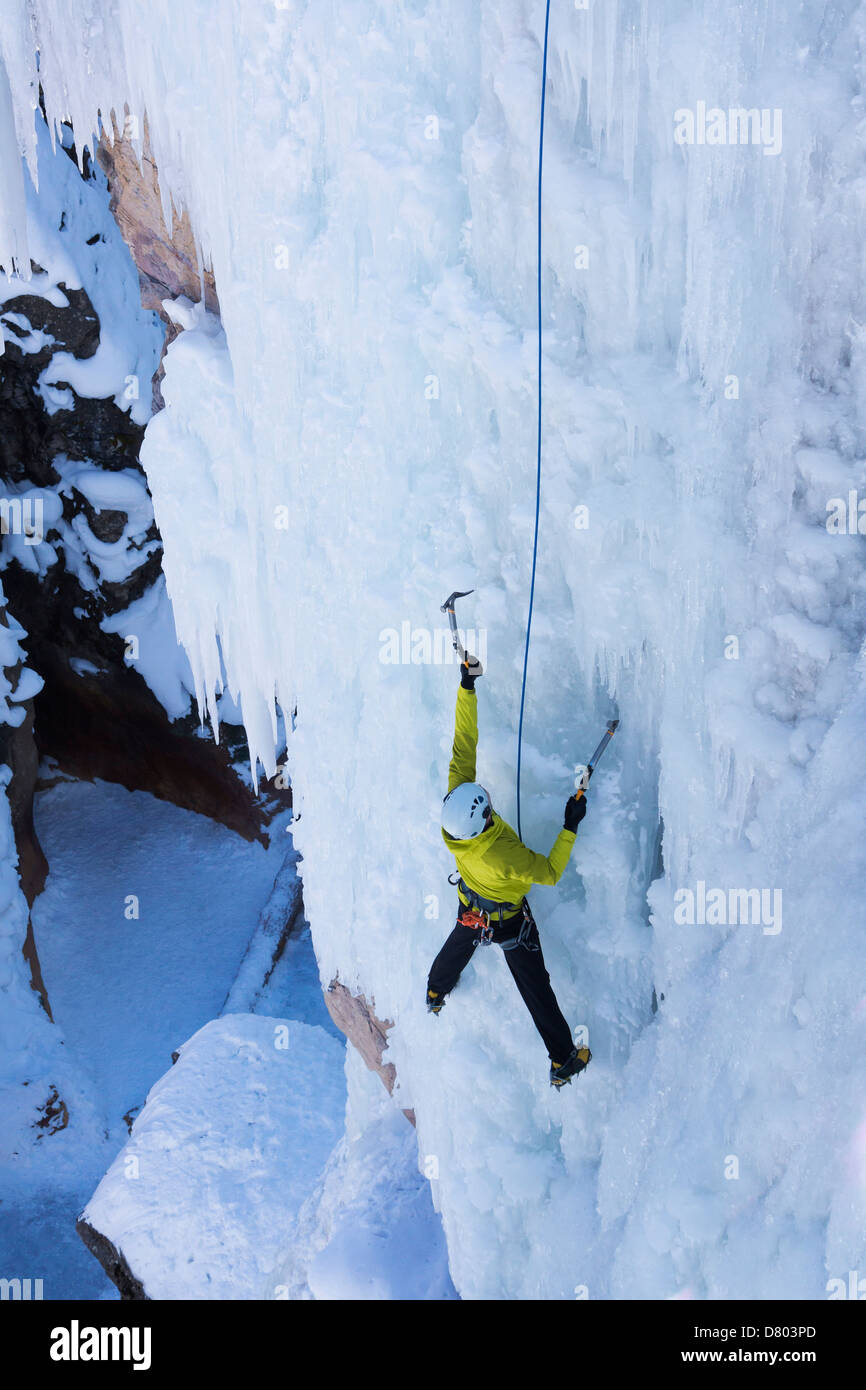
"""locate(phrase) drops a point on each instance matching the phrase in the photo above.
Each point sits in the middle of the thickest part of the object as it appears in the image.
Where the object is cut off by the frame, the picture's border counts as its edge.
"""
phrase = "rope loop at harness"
(478, 914)
(477, 921)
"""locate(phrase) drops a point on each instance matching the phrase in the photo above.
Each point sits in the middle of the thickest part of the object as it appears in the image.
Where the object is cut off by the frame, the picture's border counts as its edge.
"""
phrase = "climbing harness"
(480, 911)
(538, 462)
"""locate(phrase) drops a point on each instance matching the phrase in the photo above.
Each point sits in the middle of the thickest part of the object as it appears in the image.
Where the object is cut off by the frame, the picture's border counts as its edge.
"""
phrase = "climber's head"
(466, 811)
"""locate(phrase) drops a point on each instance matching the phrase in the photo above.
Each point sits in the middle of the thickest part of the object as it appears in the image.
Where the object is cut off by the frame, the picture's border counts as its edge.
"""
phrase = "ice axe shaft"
(613, 724)
(448, 607)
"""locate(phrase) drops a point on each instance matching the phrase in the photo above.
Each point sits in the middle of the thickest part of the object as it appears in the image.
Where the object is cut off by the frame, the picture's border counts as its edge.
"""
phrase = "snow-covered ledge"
(230, 1143)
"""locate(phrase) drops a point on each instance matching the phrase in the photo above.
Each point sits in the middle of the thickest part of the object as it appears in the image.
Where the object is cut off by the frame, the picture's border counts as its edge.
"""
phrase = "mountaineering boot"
(561, 1074)
(435, 1002)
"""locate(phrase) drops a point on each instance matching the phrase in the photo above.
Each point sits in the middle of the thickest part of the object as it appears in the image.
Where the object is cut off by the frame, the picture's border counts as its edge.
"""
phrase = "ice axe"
(448, 607)
(582, 781)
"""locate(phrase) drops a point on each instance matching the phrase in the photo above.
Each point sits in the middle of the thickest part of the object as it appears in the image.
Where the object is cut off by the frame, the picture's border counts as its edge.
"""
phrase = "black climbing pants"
(528, 971)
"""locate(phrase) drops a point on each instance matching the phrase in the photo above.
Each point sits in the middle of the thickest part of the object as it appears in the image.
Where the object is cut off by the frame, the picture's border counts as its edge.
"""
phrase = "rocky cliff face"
(96, 715)
(167, 261)
(114, 1263)
(357, 1018)
(99, 550)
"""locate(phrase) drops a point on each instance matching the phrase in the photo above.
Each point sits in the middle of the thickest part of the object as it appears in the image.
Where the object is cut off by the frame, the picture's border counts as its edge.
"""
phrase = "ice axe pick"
(448, 607)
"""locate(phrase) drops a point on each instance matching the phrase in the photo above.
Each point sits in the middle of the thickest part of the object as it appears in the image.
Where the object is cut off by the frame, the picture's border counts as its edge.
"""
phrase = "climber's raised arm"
(462, 765)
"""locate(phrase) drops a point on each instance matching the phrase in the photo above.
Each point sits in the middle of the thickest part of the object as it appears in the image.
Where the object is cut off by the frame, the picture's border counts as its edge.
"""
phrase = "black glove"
(574, 812)
(467, 680)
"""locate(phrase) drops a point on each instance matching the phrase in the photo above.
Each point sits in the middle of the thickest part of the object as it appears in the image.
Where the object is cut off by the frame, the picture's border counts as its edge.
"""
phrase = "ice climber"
(495, 872)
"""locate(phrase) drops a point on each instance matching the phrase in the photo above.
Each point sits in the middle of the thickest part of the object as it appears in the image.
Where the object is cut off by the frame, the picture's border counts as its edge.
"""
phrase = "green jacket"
(496, 864)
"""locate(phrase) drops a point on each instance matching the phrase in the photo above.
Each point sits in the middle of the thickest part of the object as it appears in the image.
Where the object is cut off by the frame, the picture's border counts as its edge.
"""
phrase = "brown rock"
(113, 1262)
(367, 1033)
(109, 725)
(54, 1113)
(30, 954)
(167, 262)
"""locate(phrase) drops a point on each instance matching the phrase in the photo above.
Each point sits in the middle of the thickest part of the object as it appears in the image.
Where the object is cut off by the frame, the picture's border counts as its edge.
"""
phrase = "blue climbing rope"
(538, 465)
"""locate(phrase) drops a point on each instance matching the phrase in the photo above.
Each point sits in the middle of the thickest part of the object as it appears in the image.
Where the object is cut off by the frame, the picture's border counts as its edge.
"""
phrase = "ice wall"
(356, 439)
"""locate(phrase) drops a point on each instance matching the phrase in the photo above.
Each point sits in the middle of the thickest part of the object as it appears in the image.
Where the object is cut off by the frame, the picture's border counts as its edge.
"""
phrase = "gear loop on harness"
(522, 938)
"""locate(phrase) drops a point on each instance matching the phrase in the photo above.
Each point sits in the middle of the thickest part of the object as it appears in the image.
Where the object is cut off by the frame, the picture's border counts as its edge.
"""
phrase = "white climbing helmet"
(464, 811)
